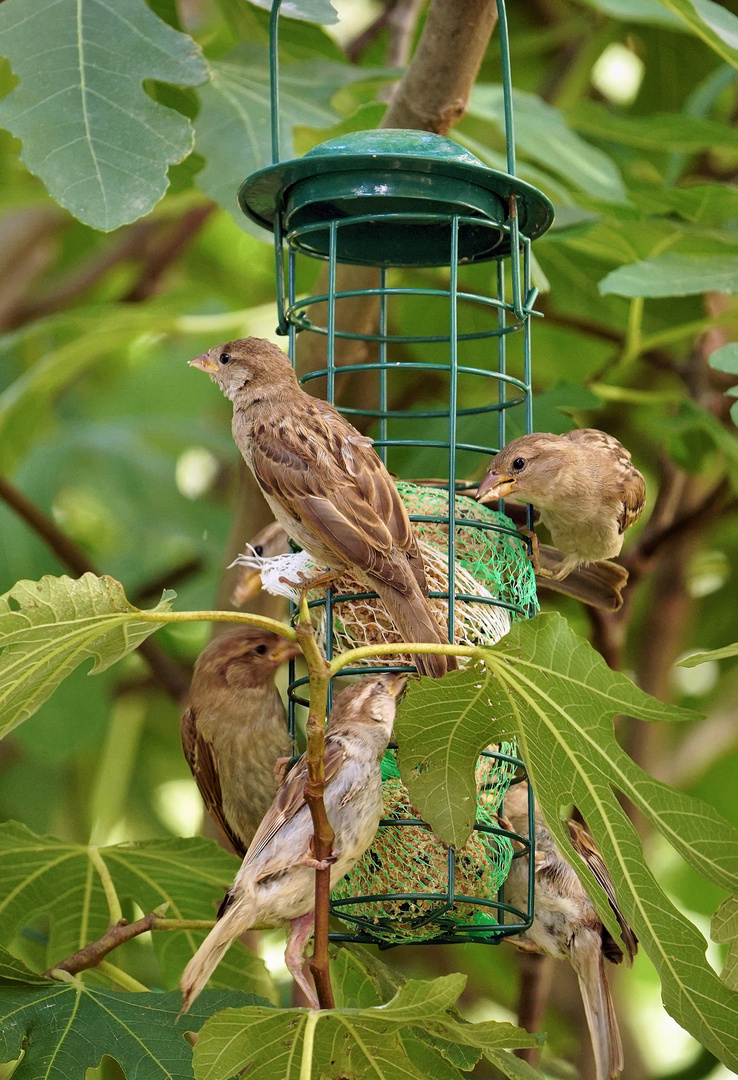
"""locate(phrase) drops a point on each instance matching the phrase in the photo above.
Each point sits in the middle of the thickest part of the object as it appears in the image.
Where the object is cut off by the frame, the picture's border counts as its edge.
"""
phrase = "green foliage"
(724, 931)
(674, 275)
(89, 131)
(140, 1031)
(392, 1042)
(557, 695)
(48, 627)
(716, 654)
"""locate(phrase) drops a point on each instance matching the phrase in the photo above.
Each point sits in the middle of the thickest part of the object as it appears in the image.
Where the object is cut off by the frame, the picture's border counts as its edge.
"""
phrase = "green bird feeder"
(414, 200)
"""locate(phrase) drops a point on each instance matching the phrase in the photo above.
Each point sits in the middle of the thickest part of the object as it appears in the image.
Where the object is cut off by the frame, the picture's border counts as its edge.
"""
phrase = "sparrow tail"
(414, 620)
(586, 959)
(234, 922)
(599, 584)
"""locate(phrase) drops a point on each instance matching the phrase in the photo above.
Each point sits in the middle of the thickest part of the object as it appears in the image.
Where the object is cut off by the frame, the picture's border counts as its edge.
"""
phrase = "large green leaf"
(542, 134)
(646, 11)
(674, 275)
(354, 1042)
(558, 695)
(316, 11)
(662, 131)
(139, 1030)
(99, 143)
(724, 930)
(40, 875)
(233, 129)
(50, 626)
(712, 22)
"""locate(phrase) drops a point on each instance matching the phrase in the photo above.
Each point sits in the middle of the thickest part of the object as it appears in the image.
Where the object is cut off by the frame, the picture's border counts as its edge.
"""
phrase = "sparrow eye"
(260, 650)
(259, 549)
(225, 358)
(519, 463)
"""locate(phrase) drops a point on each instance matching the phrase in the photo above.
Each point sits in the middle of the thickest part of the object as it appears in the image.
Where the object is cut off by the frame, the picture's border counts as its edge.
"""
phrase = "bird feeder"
(392, 199)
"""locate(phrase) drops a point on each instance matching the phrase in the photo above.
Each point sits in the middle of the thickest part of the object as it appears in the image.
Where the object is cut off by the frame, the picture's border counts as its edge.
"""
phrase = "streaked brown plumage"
(276, 883)
(235, 728)
(566, 924)
(598, 585)
(325, 484)
(584, 484)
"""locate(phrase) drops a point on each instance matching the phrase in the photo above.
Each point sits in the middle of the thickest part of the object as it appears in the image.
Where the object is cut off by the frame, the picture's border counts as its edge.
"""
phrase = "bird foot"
(534, 556)
(319, 864)
(306, 584)
(507, 825)
(281, 766)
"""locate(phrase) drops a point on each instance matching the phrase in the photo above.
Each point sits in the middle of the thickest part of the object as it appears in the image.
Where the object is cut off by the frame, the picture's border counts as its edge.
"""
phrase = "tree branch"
(91, 955)
(170, 676)
(323, 835)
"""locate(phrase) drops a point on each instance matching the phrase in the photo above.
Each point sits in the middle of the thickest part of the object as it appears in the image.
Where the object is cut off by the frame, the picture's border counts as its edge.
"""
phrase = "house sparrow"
(566, 924)
(584, 484)
(598, 585)
(325, 484)
(276, 883)
(235, 728)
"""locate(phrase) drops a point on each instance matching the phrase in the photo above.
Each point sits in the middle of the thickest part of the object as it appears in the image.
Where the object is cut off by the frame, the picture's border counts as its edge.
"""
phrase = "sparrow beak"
(396, 683)
(247, 587)
(495, 486)
(285, 650)
(204, 363)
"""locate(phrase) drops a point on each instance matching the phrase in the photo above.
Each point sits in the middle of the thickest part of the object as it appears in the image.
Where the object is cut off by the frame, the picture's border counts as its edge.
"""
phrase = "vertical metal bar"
(291, 273)
(452, 406)
(527, 353)
(501, 356)
(506, 85)
(531, 852)
(282, 323)
(383, 361)
(517, 288)
(331, 326)
(274, 77)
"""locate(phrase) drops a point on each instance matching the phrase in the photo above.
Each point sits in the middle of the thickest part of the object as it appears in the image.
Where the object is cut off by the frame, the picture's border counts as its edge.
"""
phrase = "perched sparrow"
(235, 728)
(276, 882)
(325, 484)
(584, 484)
(598, 585)
(566, 924)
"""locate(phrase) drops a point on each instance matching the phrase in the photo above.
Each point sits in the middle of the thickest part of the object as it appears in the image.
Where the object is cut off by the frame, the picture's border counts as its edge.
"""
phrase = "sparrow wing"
(629, 480)
(201, 760)
(327, 475)
(289, 801)
(634, 498)
(585, 848)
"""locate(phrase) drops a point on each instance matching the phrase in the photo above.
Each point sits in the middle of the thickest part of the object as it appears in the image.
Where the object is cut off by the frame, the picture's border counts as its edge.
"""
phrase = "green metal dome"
(404, 186)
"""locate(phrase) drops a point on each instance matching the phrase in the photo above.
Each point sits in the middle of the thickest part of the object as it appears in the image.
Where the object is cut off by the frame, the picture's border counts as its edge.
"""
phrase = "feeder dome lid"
(399, 190)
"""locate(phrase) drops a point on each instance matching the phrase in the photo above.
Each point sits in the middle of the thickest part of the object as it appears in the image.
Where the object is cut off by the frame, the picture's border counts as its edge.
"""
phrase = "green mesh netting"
(404, 880)
(496, 560)
(408, 887)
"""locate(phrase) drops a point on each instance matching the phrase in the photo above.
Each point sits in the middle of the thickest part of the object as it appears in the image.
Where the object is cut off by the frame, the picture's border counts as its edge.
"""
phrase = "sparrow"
(235, 728)
(598, 585)
(275, 885)
(584, 484)
(325, 484)
(566, 924)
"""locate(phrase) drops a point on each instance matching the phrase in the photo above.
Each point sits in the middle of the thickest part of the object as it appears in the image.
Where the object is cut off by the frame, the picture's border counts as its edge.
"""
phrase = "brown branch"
(356, 48)
(166, 671)
(323, 835)
(91, 955)
(177, 236)
(434, 91)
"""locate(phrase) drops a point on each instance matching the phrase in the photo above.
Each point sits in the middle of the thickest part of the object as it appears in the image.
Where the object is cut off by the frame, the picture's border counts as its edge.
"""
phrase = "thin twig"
(91, 955)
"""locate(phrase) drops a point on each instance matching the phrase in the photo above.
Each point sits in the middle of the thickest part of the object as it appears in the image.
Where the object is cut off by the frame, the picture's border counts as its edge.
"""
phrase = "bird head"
(526, 467)
(247, 657)
(369, 702)
(246, 366)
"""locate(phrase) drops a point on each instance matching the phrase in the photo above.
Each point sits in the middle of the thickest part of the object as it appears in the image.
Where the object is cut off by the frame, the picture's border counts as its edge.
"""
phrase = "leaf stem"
(323, 835)
(308, 1040)
(364, 652)
(114, 908)
(182, 924)
(122, 978)
(633, 340)
(242, 617)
